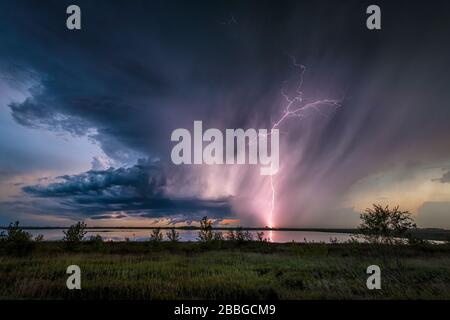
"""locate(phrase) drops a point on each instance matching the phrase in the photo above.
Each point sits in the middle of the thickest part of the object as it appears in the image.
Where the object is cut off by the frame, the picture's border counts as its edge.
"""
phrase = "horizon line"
(346, 229)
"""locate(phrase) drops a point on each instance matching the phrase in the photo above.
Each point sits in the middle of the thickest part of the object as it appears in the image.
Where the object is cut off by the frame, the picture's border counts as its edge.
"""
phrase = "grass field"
(227, 271)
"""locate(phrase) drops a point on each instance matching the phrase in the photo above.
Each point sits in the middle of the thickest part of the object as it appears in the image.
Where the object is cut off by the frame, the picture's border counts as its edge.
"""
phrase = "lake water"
(192, 235)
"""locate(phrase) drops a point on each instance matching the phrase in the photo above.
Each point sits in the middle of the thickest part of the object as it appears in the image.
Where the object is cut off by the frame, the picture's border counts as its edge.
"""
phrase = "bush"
(74, 235)
(242, 236)
(156, 236)
(205, 234)
(17, 241)
(173, 235)
(15, 233)
(260, 237)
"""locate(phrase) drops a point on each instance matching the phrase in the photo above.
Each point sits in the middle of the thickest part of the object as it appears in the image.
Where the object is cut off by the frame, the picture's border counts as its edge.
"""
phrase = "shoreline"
(433, 234)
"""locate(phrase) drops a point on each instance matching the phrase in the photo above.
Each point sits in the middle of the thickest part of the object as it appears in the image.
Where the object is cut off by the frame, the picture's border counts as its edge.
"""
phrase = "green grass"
(227, 271)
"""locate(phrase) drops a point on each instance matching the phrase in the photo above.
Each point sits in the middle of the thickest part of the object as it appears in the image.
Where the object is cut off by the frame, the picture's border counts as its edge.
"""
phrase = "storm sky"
(86, 116)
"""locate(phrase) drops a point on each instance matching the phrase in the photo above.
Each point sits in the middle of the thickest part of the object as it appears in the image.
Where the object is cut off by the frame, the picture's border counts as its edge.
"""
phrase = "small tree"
(384, 225)
(17, 240)
(156, 236)
(205, 234)
(74, 235)
(173, 235)
(15, 233)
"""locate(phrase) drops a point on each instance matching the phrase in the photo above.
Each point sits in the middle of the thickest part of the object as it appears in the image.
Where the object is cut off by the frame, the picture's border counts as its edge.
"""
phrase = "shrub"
(239, 235)
(156, 236)
(16, 233)
(17, 241)
(205, 234)
(173, 235)
(260, 237)
(74, 235)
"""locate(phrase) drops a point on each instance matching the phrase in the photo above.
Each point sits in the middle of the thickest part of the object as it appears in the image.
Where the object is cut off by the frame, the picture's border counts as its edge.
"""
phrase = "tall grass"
(250, 271)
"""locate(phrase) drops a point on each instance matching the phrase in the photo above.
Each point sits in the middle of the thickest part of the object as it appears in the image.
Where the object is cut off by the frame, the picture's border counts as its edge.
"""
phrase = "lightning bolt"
(297, 106)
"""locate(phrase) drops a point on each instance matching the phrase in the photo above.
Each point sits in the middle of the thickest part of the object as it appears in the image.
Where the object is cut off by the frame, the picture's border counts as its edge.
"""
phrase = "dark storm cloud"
(143, 178)
(131, 73)
(34, 113)
(138, 70)
(140, 189)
